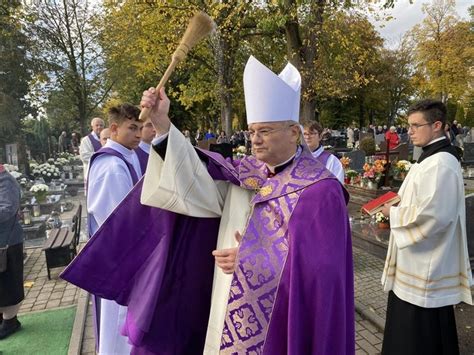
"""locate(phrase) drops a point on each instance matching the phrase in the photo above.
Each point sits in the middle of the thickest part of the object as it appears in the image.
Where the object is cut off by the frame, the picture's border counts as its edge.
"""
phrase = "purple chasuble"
(292, 291)
(95, 143)
(142, 158)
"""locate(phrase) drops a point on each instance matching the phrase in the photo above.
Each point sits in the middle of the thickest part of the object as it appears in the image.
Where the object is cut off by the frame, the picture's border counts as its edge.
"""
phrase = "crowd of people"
(205, 255)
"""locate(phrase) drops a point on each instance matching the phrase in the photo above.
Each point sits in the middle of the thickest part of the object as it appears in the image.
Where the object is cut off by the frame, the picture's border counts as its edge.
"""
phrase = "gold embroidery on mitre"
(266, 190)
(251, 182)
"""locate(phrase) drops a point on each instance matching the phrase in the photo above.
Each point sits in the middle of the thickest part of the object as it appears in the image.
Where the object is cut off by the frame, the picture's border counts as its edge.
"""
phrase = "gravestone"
(402, 150)
(468, 153)
(365, 134)
(383, 146)
(357, 159)
(224, 149)
(470, 227)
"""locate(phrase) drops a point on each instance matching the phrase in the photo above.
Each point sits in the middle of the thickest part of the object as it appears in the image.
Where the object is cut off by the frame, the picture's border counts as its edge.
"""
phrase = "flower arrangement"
(240, 152)
(402, 166)
(351, 176)
(351, 173)
(60, 163)
(23, 182)
(383, 222)
(345, 161)
(10, 168)
(374, 172)
(40, 191)
(46, 171)
(66, 155)
(13, 170)
(380, 218)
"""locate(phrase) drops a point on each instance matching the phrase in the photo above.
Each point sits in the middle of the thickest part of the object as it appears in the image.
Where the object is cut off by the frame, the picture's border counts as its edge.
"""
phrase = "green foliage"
(367, 144)
(65, 36)
(15, 72)
(443, 52)
(37, 133)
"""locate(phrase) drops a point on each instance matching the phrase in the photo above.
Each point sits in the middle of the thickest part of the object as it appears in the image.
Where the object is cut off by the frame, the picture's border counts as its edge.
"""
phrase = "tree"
(15, 72)
(66, 36)
(205, 83)
(303, 23)
(443, 52)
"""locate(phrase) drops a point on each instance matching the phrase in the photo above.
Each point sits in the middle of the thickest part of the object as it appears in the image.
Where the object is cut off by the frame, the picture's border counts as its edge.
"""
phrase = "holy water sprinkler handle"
(199, 27)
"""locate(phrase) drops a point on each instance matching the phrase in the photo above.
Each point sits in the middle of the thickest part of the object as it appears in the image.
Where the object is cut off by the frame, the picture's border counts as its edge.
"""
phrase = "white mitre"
(270, 97)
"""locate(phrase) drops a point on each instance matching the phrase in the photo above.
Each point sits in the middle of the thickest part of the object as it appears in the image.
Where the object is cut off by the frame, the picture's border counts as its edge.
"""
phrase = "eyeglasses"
(265, 132)
(308, 134)
(415, 126)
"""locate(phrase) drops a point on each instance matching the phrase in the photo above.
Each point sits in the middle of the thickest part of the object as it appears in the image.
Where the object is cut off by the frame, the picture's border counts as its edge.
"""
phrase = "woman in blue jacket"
(11, 234)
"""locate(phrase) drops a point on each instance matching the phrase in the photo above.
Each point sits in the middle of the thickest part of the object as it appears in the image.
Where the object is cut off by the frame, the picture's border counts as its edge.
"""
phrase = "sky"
(407, 15)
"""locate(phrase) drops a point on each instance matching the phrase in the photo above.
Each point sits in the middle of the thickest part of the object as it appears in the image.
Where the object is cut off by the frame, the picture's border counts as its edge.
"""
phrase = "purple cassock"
(292, 291)
(95, 143)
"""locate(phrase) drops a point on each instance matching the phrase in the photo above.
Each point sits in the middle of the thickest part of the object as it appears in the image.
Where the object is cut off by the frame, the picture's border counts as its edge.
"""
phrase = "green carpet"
(45, 333)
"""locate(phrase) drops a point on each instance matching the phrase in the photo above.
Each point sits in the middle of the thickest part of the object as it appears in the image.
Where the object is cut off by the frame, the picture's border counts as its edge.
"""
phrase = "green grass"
(45, 333)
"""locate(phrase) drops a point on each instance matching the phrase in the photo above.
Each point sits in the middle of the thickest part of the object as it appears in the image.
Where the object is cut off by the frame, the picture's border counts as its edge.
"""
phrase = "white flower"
(380, 218)
(242, 149)
(39, 188)
(10, 168)
(15, 174)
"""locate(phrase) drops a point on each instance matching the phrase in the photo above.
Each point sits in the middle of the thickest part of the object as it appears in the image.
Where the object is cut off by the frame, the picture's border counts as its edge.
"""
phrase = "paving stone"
(367, 347)
(42, 301)
(38, 307)
(88, 345)
(67, 299)
(369, 326)
(56, 295)
(89, 332)
(33, 294)
(24, 309)
(42, 296)
(69, 293)
(370, 337)
(53, 303)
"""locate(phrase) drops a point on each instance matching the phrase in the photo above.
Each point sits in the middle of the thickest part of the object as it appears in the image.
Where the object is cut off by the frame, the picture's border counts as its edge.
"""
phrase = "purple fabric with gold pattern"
(276, 286)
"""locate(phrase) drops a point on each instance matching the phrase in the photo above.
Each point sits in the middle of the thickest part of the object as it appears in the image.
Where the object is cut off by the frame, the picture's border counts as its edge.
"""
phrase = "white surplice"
(109, 182)
(427, 260)
(86, 149)
(333, 164)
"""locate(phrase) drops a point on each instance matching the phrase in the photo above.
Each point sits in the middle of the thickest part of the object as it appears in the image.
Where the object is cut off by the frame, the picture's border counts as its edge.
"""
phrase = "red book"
(376, 205)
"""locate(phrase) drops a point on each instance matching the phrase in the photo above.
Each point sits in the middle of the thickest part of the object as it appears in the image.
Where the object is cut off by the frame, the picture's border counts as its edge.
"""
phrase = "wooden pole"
(387, 166)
